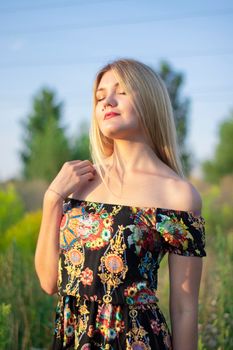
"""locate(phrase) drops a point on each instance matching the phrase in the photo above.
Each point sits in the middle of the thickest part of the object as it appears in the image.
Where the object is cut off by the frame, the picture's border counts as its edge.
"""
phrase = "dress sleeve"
(182, 232)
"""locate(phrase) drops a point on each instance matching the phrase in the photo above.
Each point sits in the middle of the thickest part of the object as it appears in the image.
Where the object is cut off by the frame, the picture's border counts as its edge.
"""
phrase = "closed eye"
(120, 93)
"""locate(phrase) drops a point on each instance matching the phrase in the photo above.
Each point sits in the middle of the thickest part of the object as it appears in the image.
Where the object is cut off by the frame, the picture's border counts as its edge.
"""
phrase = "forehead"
(108, 79)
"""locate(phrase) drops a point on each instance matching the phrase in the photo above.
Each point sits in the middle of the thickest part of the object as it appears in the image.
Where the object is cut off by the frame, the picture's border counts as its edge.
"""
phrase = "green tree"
(46, 146)
(174, 82)
(222, 162)
(80, 143)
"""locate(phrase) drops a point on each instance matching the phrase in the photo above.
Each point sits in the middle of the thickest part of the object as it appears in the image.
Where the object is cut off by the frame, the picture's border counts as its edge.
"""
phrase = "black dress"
(109, 259)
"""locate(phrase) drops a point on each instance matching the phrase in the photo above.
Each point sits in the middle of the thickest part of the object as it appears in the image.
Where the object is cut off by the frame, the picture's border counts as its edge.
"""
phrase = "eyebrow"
(101, 89)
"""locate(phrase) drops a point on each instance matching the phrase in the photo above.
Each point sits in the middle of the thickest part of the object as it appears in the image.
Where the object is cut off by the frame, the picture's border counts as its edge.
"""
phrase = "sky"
(62, 44)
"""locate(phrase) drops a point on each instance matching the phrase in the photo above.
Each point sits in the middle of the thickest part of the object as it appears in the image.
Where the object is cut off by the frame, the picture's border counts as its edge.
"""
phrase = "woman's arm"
(47, 250)
(72, 176)
(185, 276)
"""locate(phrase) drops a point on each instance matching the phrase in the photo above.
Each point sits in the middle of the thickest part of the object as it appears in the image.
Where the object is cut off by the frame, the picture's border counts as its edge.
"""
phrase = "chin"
(116, 133)
(111, 133)
(119, 135)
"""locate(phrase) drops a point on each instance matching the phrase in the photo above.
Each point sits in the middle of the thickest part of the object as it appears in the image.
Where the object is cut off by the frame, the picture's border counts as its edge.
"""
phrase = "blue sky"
(62, 44)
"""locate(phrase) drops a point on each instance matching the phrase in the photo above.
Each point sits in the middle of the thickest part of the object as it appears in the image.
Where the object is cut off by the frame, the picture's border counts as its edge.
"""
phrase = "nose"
(109, 100)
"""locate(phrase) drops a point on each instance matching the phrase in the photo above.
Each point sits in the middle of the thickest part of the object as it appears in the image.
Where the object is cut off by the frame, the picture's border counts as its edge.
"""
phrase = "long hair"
(153, 108)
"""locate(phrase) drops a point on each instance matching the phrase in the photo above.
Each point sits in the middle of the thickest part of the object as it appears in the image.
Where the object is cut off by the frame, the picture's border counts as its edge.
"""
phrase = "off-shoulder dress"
(108, 266)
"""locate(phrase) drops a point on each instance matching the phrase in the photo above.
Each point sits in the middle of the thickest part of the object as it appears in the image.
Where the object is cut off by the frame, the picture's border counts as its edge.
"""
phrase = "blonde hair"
(153, 108)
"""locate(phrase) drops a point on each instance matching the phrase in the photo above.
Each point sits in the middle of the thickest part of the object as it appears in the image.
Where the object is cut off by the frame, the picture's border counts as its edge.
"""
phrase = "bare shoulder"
(184, 195)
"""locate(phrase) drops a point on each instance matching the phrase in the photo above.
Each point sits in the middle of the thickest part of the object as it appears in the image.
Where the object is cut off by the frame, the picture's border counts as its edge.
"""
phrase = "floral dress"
(108, 265)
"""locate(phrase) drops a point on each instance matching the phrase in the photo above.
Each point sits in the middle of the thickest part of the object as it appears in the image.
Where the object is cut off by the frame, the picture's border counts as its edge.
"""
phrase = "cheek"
(130, 108)
(132, 113)
(98, 111)
(98, 116)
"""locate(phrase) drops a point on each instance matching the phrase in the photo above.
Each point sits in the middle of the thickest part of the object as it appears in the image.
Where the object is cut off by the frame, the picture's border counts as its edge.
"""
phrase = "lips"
(110, 115)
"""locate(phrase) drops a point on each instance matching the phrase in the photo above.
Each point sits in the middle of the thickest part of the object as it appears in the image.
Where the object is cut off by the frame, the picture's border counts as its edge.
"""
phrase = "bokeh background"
(50, 53)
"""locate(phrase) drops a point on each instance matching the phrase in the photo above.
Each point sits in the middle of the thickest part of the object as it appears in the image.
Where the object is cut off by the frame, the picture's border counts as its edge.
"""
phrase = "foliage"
(217, 206)
(80, 145)
(11, 209)
(174, 81)
(49, 152)
(32, 312)
(216, 313)
(31, 192)
(46, 146)
(24, 233)
(222, 162)
(216, 301)
(5, 310)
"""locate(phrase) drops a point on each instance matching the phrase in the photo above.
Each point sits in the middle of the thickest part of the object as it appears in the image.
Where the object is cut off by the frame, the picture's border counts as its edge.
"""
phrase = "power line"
(210, 93)
(55, 6)
(126, 21)
(88, 60)
(214, 89)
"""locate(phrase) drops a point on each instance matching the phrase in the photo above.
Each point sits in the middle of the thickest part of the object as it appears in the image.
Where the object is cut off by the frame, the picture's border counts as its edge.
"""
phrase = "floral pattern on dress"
(144, 236)
(173, 230)
(87, 277)
(93, 230)
(113, 265)
(182, 231)
(107, 279)
(139, 293)
(109, 321)
(148, 268)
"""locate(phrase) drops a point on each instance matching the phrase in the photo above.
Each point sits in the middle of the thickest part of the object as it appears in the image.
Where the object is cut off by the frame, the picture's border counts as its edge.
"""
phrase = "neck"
(130, 157)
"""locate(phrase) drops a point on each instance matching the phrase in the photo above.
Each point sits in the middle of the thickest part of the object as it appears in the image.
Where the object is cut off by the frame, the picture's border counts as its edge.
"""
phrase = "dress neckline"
(190, 212)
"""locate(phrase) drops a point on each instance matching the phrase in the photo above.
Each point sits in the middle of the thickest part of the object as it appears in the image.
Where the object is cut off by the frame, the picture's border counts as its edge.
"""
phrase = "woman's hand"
(72, 174)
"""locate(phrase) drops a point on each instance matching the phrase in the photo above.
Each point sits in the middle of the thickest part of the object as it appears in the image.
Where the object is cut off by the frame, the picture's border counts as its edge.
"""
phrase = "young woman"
(106, 226)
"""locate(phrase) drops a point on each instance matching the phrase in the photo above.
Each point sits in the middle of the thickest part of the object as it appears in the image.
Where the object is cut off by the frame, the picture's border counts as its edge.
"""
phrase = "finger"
(74, 161)
(84, 170)
(68, 165)
(87, 176)
(83, 165)
(86, 162)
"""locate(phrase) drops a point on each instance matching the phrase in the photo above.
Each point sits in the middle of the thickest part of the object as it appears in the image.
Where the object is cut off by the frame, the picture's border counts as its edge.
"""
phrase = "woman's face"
(111, 97)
